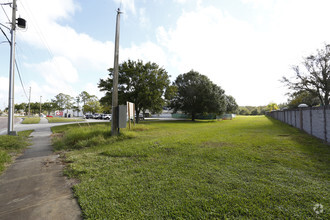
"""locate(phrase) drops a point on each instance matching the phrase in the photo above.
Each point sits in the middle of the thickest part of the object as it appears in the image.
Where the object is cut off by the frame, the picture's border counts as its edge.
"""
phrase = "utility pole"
(11, 104)
(115, 110)
(29, 100)
(40, 107)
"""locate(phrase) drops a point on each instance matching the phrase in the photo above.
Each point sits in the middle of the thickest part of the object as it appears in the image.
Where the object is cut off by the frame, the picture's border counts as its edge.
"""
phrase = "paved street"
(4, 123)
(23, 127)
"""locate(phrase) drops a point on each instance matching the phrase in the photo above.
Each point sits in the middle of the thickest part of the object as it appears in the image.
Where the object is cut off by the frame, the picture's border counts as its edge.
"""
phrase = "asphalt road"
(4, 123)
(22, 127)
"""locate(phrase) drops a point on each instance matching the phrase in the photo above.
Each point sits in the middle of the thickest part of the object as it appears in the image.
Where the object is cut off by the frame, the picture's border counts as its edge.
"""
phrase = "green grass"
(10, 146)
(57, 120)
(34, 120)
(249, 168)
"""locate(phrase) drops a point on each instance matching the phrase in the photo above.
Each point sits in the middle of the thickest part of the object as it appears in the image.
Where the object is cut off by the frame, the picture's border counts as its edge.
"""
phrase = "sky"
(243, 46)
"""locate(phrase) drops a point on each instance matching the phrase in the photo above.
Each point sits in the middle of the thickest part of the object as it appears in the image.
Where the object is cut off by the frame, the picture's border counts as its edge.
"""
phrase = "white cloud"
(147, 51)
(45, 33)
(246, 62)
(4, 90)
(180, 1)
(92, 89)
(144, 20)
(265, 4)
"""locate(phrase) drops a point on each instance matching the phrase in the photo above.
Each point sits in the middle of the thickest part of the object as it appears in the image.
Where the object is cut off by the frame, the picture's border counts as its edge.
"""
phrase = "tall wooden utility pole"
(12, 72)
(115, 112)
(29, 101)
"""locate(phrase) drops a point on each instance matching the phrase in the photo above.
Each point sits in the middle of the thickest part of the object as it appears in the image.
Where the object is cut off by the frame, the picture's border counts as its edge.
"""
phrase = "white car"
(107, 117)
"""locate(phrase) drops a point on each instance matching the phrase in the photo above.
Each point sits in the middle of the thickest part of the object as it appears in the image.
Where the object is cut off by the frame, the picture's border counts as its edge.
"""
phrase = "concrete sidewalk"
(34, 187)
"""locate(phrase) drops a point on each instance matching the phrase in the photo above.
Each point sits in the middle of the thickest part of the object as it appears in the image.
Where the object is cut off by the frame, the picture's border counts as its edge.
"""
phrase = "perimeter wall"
(314, 121)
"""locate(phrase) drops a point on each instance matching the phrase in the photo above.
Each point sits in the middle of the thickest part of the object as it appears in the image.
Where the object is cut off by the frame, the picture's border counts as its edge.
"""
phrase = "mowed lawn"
(32, 120)
(60, 119)
(250, 167)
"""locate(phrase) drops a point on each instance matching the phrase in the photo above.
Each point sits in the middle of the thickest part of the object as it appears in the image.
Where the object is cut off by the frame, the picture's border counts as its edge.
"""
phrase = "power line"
(20, 78)
(5, 13)
(42, 37)
(39, 33)
(5, 35)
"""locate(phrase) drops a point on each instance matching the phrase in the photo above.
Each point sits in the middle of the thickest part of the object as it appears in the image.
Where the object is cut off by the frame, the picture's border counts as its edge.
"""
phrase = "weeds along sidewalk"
(34, 187)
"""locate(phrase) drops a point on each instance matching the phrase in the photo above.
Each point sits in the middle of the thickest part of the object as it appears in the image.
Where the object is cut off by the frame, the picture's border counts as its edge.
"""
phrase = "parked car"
(141, 117)
(87, 116)
(97, 116)
(106, 117)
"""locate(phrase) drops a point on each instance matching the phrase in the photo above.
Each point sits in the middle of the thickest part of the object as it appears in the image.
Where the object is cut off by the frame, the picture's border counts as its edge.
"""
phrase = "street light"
(21, 23)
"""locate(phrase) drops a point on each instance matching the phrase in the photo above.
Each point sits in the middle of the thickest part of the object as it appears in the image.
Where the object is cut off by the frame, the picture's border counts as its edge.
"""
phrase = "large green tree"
(305, 97)
(143, 84)
(231, 105)
(196, 94)
(63, 101)
(92, 105)
(315, 78)
(49, 107)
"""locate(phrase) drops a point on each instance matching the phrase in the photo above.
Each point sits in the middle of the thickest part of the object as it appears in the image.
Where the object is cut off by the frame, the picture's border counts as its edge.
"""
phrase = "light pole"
(40, 107)
(12, 72)
(11, 105)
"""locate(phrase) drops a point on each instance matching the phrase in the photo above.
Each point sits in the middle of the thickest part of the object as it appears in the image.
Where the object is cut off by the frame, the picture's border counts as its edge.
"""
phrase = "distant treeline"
(252, 110)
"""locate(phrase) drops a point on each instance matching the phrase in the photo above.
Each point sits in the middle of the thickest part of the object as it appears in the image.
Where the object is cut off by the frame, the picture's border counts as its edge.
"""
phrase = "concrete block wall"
(307, 127)
(318, 123)
(314, 121)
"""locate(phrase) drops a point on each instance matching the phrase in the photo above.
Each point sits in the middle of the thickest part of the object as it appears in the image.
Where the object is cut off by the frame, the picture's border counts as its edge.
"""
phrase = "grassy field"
(250, 167)
(33, 120)
(57, 120)
(10, 146)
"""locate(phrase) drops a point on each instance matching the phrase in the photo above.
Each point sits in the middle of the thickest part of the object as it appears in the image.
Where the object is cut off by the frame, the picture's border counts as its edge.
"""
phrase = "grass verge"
(58, 120)
(250, 168)
(10, 146)
(34, 120)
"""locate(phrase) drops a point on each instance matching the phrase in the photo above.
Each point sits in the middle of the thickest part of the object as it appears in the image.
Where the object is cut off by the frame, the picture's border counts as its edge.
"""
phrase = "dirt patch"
(57, 135)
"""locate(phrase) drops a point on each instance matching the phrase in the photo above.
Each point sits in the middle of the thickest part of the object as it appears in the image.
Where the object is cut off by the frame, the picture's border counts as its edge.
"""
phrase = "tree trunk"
(326, 100)
(193, 115)
(137, 116)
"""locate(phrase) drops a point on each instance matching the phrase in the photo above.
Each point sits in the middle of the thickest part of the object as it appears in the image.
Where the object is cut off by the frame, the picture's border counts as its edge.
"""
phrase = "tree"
(305, 97)
(21, 107)
(272, 106)
(35, 107)
(49, 107)
(196, 94)
(231, 105)
(63, 101)
(92, 105)
(316, 78)
(83, 97)
(244, 111)
(143, 84)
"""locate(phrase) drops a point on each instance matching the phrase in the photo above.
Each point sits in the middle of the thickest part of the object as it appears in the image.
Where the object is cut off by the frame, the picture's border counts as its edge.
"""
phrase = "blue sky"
(244, 46)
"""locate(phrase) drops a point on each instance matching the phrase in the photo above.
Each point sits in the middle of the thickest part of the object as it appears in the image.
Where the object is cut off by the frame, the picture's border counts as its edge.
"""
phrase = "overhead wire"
(20, 78)
(5, 13)
(39, 32)
(5, 35)
(17, 68)
(41, 36)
